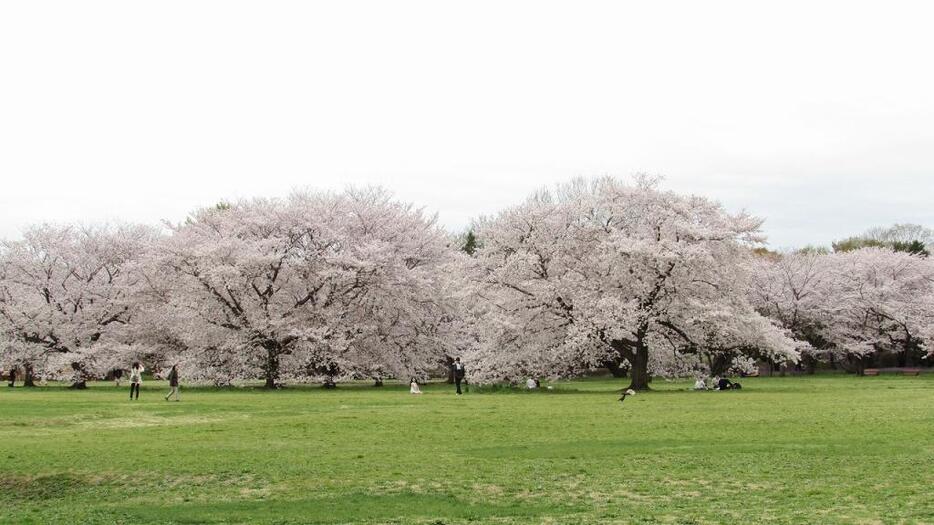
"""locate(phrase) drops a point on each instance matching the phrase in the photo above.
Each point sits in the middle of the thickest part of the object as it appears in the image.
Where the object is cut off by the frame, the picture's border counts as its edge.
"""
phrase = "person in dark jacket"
(173, 383)
(726, 384)
(12, 376)
(459, 373)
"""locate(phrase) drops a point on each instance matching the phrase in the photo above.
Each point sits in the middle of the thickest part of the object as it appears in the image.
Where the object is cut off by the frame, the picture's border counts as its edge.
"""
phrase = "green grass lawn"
(829, 449)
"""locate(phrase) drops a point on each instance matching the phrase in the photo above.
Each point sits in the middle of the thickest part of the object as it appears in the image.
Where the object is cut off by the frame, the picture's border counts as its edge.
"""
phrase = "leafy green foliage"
(912, 247)
(819, 250)
(470, 243)
(855, 243)
(910, 238)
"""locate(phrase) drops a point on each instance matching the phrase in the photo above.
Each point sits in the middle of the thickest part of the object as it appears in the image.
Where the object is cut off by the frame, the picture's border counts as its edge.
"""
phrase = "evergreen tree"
(470, 243)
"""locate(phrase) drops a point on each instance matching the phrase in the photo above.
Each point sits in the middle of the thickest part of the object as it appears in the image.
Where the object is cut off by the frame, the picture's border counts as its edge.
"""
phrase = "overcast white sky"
(818, 116)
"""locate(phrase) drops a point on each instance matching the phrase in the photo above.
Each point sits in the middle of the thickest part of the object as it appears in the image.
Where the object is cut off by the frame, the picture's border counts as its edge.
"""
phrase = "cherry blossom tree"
(355, 284)
(789, 288)
(312, 286)
(852, 305)
(598, 270)
(65, 298)
(879, 300)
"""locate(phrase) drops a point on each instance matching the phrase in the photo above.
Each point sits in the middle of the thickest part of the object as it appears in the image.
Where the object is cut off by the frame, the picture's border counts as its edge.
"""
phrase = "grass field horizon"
(813, 449)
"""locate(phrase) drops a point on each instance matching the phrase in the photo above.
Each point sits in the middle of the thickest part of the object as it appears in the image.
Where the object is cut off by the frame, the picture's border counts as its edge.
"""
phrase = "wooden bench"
(902, 371)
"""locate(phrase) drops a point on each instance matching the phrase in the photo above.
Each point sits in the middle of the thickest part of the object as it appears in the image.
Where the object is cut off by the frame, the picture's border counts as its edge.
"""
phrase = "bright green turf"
(829, 449)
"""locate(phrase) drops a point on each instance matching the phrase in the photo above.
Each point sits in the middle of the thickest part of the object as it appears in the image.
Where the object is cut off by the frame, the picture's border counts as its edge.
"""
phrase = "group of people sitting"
(717, 383)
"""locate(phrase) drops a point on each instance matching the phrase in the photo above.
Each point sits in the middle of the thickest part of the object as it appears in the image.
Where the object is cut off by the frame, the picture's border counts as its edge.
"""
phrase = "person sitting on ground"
(700, 384)
(531, 384)
(413, 387)
(724, 384)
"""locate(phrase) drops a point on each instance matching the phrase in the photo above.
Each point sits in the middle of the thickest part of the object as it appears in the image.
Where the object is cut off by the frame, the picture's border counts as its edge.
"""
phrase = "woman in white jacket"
(136, 378)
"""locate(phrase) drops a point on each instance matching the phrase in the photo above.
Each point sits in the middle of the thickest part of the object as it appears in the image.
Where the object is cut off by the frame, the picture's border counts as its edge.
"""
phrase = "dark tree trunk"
(720, 365)
(449, 363)
(858, 365)
(810, 364)
(80, 381)
(29, 378)
(637, 354)
(639, 371)
(271, 367)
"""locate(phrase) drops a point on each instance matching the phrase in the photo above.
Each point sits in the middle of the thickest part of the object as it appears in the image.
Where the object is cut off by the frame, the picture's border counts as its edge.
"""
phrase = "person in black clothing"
(12, 376)
(459, 373)
(173, 383)
(726, 384)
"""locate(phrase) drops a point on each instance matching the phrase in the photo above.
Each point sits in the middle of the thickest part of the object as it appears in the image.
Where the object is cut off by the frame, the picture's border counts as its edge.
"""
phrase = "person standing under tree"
(173, 383)
(136, 377)
(12, 376)
(459, 373)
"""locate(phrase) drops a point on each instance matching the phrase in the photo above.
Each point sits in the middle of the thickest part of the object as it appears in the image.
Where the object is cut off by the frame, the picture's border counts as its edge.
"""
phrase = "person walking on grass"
(173, 383)
(136, 378)
(459, 374)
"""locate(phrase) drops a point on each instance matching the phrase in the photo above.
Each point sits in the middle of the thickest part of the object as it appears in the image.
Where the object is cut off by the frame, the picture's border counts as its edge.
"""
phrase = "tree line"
(324, 286)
